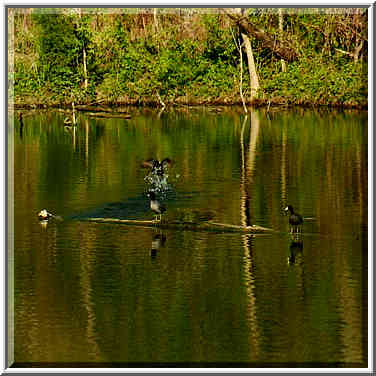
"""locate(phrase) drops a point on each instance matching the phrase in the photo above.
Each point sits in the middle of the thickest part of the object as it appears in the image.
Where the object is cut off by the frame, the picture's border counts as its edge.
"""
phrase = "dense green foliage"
(185, 58)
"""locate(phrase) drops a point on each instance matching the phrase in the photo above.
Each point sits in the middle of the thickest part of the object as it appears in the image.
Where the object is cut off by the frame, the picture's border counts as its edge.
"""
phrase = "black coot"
(295, 219)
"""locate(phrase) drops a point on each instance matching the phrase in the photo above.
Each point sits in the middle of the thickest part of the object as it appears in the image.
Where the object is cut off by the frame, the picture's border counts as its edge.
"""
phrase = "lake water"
(109, 294)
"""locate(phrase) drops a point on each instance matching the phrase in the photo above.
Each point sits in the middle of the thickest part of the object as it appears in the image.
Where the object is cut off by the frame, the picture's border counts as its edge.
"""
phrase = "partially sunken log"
(203, 226)
(281, 49)
(88, 107)
(109, 115)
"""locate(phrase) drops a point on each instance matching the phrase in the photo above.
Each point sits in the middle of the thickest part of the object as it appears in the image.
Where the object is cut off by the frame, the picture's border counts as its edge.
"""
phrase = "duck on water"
(44, 215)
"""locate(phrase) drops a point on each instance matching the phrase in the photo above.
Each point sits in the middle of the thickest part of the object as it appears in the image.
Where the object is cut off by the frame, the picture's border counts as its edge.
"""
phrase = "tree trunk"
(357, 50)
(241, 80)
(73, 114)
(239, 48)
(155, 19)
(84, 56)
(251, 67)
(85, 70)
(280, 21)
(358, 41)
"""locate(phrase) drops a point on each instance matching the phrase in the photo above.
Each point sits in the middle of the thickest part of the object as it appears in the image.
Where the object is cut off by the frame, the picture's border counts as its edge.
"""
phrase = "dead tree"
(280, 24)
(251, 67)
(253, 77)
(281, 48)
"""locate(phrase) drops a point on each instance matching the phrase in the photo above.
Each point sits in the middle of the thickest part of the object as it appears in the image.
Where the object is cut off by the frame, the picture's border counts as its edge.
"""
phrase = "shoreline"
(111, 105)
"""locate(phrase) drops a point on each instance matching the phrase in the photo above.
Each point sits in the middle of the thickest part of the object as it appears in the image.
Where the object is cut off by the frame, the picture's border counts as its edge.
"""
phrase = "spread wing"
(167, 162)
(148, 163)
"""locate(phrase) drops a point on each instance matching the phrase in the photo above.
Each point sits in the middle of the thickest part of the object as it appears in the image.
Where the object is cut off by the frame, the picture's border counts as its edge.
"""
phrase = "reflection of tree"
(87, 293)
(244, 213)
(248, 163)
(255, 125)
(86, 142)
(246, 173)
(362, 183)
(283, 167)
(353, 315)
(10, 242)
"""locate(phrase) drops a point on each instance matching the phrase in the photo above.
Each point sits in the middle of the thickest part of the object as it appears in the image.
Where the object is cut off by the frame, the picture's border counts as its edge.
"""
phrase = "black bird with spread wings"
(158, 167)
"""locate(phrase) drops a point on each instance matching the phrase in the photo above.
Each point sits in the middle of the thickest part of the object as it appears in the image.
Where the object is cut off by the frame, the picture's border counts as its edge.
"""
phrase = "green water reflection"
(112, 294)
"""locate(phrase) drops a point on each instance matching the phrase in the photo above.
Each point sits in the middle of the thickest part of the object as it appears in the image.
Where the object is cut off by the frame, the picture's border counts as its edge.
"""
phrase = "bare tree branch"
(283, 50)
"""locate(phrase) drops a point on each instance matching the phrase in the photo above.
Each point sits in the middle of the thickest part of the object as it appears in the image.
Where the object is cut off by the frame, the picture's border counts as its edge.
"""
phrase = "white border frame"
(198, 3)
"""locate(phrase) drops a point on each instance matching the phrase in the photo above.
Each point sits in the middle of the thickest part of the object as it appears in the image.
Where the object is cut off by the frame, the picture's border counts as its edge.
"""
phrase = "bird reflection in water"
(157, 243)
(43, 223)
(296, 249)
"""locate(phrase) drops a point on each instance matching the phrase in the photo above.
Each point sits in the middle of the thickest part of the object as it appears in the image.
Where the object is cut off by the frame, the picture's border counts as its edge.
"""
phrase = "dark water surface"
(103, 293)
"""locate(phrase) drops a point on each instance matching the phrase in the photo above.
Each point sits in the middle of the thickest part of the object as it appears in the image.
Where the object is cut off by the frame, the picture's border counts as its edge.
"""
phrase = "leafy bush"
(311, 81)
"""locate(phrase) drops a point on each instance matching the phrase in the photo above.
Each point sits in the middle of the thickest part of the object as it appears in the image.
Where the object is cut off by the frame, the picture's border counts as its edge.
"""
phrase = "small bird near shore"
(295, 219)
(156, 206)
(44, 215)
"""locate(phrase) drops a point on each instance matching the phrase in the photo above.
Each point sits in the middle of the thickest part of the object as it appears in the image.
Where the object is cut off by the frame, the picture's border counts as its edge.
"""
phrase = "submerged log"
(88, 107)
(109, 115)
(100, 108)
(192, 226)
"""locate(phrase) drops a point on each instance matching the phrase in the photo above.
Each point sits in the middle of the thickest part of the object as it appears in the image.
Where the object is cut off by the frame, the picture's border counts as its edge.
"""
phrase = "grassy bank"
(184, 58)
